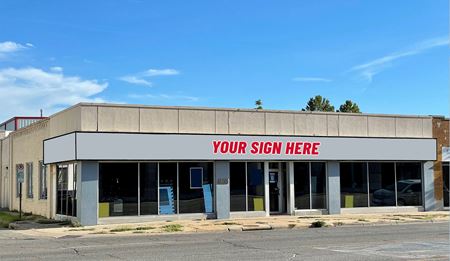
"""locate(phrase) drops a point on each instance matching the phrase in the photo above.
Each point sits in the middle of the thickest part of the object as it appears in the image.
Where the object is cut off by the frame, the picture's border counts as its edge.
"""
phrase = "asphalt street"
(428, 241)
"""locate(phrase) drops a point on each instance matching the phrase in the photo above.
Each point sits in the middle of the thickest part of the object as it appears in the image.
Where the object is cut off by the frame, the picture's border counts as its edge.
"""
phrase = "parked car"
(409, 194)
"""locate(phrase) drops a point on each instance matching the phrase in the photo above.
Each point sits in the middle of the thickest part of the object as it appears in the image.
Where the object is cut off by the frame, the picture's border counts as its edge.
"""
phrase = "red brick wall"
(441, 133)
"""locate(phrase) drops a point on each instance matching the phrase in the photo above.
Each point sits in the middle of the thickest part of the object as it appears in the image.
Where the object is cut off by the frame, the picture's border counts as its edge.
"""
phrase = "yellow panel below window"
(348, 201)
(103, 209)
(258, 204)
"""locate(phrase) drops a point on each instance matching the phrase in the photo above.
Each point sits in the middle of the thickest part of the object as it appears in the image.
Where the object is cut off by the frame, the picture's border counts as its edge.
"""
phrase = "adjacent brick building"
(441, 175)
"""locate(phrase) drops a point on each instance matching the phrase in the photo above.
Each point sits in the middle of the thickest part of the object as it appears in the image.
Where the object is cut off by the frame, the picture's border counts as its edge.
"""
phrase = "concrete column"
(87, 193)
(266, 189)
(333, 188)
(291, 189)
(429, 200)
(222, 176)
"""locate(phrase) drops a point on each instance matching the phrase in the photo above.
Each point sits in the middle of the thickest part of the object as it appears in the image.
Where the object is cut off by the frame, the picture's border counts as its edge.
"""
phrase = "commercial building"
(16, 123)
(441, 168)
(104, 163)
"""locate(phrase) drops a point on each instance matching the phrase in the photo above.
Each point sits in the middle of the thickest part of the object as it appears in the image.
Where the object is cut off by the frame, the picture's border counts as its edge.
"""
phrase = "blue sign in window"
(196, 178)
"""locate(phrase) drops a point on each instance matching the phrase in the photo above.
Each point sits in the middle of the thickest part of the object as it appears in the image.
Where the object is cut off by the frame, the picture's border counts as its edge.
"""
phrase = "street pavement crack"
(241, 245)
(76, 251)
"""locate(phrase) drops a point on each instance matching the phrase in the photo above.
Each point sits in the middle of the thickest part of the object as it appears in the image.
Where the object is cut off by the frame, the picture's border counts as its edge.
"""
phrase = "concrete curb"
(256, 227)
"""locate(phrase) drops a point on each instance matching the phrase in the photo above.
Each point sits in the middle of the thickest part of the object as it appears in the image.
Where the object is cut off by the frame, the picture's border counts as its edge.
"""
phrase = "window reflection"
(118, 189)
(382, 184)
(353, 184)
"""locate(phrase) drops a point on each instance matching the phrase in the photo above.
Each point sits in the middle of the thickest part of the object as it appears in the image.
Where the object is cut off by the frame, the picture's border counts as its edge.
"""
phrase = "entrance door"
(277, 187)
(274, 191)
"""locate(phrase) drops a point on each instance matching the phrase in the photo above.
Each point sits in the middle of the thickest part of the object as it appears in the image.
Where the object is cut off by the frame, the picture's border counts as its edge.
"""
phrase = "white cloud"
(56, 69)
(24, 91)
(370, 69)
(8, 48)
(158, 72)
(164, 97)
(140, 78)
(135, 80)
(310, 79)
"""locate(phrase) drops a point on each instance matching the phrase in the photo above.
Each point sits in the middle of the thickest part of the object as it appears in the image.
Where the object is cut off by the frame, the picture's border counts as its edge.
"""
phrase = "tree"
(258, 104)
(318, 103)
(349, 106)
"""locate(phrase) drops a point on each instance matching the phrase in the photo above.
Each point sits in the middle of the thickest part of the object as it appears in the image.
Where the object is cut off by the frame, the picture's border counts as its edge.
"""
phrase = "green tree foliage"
(258, 104)
(349, 106)
(318, 103)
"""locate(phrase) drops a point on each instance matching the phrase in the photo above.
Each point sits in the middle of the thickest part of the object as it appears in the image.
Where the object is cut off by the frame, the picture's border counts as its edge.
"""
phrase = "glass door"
(274, 191)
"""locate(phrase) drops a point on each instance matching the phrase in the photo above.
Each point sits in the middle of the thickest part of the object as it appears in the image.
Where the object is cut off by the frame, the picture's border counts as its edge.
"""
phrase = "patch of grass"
(318, 223)
(173, 228)
(228, 223)
(6, 218)
(82, 229)
(121, 229)
(99, 233)
(49, 221)
(138, 232)
(363, 220)
(291, 225)
(144, 228)
(307, 217)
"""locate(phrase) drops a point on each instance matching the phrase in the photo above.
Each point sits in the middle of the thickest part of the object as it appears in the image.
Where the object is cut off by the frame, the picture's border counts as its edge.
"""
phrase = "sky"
(387, 56)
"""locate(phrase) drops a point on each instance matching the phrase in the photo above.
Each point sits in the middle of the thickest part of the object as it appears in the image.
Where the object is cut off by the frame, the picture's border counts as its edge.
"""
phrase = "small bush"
(318, 223)
(144, 228)
(363, 220)
(121, 229)
(173, 228)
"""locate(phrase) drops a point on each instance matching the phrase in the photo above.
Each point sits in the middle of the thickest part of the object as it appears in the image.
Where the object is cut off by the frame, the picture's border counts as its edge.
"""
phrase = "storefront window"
(353, 184)
(196, 187)
(237, 186)
(318, 185)
(409, 184)
(66, 187)
(255, 186)
(149, 188)
(382, 184)
(118, 191)
(301, 185)
(168, 188)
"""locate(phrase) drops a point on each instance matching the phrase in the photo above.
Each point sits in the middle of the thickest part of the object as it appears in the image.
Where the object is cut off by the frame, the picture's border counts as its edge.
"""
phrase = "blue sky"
(388, 56)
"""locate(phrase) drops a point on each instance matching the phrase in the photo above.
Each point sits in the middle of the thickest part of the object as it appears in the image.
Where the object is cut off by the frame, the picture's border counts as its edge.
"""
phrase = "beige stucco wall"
(5, 185)
(27, 147)
(65, 121)
(148, 119)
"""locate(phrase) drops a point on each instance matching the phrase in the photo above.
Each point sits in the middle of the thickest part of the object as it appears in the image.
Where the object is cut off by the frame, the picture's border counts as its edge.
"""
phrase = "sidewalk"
(248, 224)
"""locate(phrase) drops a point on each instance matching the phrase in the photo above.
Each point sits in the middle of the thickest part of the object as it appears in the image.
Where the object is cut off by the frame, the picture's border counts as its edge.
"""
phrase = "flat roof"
(239, 109)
